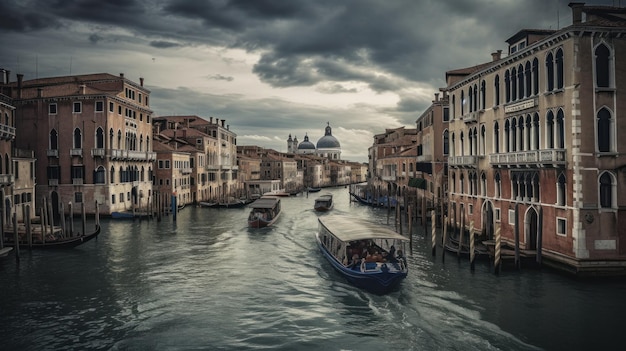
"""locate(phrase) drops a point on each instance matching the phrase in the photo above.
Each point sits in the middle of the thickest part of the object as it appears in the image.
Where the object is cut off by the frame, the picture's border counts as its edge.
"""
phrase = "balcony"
(77, 181)
(76, 152)
(53, 182)
(471, 117)
(53, 153)
(98, 152)
(530, 158)
(7, 132)
(469, 161)
(185, 170)
(131, 155)
(6, 179)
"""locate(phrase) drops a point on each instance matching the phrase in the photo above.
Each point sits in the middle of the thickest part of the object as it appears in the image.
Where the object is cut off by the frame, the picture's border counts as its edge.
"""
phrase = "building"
(534, 143)
(91, 135)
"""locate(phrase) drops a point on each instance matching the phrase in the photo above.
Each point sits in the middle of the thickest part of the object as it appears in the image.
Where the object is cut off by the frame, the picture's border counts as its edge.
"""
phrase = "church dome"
(328, 141)
(306, 144)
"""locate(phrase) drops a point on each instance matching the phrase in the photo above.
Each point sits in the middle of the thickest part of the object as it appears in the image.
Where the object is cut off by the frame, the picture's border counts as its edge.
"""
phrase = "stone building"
(534, 143)
(91, 135)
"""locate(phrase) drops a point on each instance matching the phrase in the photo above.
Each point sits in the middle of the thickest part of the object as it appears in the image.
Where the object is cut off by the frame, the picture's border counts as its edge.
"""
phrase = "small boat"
(128, 214)
(265, 211)
(207, 204)
(231, 203)
(314, 190)
(53, 242)
(5, 251)
(281, 193)
(368, 255)
(324, 203)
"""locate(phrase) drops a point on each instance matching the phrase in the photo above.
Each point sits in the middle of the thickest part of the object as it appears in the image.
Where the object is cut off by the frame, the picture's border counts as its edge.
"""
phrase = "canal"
(207, 282)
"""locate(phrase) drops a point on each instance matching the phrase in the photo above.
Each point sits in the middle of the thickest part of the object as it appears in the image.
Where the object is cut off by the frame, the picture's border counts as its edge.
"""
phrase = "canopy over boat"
(265, 202)
(347, 229)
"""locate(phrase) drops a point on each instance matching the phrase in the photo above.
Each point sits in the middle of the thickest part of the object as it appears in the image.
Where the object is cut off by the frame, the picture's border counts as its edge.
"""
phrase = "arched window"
(513, 84)
(535, 76)
(119, 139)
(560, 190)
(446, 142)
(603, 66)
(529, 133)
(462, 183)
(470, 97)
(453, 146)
(99, 138)
(496, 90)
(54, 140)
(498, 185)
(462, 103)
(549, 72)
(99, 175)
(483, 184)
(111, 136)
(606, 190)
(604, 130)
(507, 136)
(560, 129)
(475, 98)
(453, 106)
(536, 131)
(520, 81)
(507, 86)
(483, 135)
(112, 175)
(462, 145)
(496, 137)
(453, 182)
(482, 94)
(550, 130)
(559, 69)
(528, 78)
(520, 130)
(78, 139)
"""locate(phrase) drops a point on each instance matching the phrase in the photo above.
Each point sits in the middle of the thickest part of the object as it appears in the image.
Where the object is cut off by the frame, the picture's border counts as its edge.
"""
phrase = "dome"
(306, 144)
(328, 141)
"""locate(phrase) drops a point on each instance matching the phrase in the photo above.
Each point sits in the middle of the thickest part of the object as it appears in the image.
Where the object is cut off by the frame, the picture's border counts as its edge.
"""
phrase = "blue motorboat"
(368, 255)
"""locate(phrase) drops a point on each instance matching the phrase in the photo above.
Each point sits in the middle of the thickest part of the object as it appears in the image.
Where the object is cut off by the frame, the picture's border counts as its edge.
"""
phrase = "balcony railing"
(77, 181)
(131, 155)
(53, 153)
(53, 182)
(98, 152)
(7, 132)
(469, 161)
(530, 158)
(6, 179)
(76, 152)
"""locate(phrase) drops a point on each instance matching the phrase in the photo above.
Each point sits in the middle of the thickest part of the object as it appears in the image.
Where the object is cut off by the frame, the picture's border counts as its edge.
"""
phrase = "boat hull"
(376, 282)
(59, 243)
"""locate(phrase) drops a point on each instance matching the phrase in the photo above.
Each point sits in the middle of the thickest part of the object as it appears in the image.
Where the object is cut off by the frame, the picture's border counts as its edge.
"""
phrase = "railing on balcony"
(530, 158)
(7, 132)
(53, 182)
(131, 155)
(466, 161)
(98, 152)
(471, 117)
(77, 181)
(185, 170)
(76, 152)
(6, 179)
(53, 153)
(389, 176)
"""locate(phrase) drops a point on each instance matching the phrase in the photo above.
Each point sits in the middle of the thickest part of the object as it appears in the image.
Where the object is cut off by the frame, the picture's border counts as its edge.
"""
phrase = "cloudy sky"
(272, 68)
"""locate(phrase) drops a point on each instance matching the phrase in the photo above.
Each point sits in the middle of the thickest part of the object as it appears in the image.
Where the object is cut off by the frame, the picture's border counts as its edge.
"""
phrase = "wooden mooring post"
(444, 237)
(433, 232)
(472, 254)
(496, 256)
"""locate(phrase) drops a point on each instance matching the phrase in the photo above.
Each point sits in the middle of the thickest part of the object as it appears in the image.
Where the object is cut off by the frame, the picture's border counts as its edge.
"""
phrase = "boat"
(5, 251)
(265, 211)
(324, 203)
(368, 255)
(207, 204)
(52, 241)
(313, 190)
(281, 193)
(231, 203)
(129, 214)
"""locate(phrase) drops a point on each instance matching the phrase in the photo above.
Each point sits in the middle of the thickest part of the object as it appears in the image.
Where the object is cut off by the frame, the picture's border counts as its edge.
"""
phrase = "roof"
(265, 202)
(347, 228)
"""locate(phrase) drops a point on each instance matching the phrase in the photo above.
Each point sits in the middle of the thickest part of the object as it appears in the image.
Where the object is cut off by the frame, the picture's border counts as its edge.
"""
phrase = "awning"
(419, 183)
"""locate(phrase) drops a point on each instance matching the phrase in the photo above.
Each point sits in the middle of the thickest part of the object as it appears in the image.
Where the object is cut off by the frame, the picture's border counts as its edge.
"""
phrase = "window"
(446, 117)
(77, 139)
(559, 69)
(560, 128)
(99, 138)
(528, 79)
(78, 172)
(111, 107)
(53, 172)
(496, 137)
(54, 140)
(561, 226)
(606, 190)
(535, 76)
(604, 130)
(511, 217)
(446, 142)
(121, 197)
(498, 185)
(497, 214)
(99, 175)
(513, 83)
(78, 106)
(507, 86)
(550, 130)
(603, 66)
(496, 90)
(549, 72)
(560, 190)
(78, 197)
(52, 109)
(99, 106)
(113, 199)
(482, 95)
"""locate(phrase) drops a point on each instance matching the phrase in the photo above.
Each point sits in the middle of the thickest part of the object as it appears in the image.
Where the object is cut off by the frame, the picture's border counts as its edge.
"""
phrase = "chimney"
(577, 11)
(39, 92)
(141, 81)
(228, 127)
(223, 123)
(121, 75)
(436, 97)
(495, 56)
(82, 88)
(20, 78)
(211, 120)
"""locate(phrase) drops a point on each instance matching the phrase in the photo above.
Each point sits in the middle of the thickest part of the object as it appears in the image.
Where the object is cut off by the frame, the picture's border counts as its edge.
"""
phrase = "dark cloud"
(160, 44)
(19, 17)
(220, 77)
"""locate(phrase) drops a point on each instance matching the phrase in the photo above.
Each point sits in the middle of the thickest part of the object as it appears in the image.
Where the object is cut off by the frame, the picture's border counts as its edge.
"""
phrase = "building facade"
(91, 135)
(534, 143)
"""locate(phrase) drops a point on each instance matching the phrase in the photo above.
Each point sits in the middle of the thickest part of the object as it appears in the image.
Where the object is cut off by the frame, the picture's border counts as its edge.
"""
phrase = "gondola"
(56, 243)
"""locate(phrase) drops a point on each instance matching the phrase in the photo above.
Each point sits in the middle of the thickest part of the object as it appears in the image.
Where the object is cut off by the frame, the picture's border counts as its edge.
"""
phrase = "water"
(207, 282)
